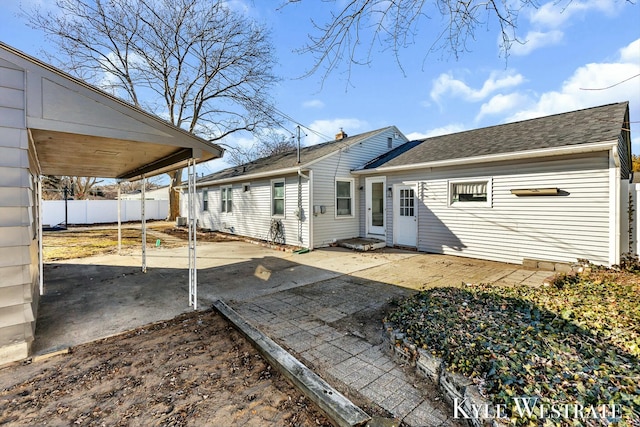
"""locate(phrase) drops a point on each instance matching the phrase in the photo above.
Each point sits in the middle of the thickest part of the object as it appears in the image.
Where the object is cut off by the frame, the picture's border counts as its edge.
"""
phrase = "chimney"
(341, 135)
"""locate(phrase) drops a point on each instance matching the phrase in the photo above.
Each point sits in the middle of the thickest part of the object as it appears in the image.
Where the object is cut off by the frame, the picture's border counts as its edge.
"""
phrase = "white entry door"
(375, 206)
(405, 218)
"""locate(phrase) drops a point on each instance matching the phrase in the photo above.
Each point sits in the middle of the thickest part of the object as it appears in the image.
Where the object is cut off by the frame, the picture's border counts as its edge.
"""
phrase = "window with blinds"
(476, 191)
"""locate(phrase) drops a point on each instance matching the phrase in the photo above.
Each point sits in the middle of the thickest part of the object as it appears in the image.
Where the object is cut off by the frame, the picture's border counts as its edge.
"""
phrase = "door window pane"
(377, 204)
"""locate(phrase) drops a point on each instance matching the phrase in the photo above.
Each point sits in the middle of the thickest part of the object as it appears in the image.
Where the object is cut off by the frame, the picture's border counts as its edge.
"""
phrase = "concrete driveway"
(325, 306)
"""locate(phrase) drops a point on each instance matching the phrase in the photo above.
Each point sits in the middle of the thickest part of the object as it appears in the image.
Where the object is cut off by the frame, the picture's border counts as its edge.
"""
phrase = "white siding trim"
(614, 208)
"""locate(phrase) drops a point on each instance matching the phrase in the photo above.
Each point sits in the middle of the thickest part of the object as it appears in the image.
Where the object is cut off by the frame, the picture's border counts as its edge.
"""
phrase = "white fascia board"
(277, 172)
(558, 151)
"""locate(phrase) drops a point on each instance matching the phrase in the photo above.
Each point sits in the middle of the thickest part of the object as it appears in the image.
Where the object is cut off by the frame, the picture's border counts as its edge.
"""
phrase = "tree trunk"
(174, 194)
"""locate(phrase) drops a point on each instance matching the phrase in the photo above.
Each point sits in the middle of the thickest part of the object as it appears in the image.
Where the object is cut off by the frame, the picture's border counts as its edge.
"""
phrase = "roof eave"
(556, 151)
(249, 177)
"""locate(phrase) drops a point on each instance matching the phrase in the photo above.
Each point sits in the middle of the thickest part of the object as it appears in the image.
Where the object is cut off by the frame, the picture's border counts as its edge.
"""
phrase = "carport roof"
(78, 129)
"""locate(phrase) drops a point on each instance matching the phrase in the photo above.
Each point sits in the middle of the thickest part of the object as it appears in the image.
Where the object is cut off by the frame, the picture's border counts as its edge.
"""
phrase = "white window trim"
(470, 204)
(273, 181)
(205, 200)
(335, 197)
(229, 188)
(246, 185)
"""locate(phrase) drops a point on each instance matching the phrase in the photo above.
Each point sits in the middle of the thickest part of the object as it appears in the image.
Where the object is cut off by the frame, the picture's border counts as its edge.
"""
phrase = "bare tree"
(77, 187)
(360, 26)
(267, 144)
(203, 66)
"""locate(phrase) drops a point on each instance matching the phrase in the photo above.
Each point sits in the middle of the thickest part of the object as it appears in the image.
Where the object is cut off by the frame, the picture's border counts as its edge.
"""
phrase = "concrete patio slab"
(325, 306)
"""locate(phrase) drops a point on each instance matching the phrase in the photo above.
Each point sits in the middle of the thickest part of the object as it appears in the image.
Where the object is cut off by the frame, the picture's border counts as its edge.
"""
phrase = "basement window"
(470, 192)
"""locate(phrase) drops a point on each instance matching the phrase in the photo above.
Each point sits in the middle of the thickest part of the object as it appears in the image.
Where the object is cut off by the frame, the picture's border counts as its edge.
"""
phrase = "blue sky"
(572, 48)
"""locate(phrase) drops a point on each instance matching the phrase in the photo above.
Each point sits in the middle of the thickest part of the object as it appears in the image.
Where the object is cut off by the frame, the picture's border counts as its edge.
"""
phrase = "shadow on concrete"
(85, 302)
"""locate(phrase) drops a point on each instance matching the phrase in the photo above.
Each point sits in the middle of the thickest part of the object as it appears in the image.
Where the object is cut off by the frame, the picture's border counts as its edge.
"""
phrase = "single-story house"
(310, 200)
(54, 124)
(553, 188)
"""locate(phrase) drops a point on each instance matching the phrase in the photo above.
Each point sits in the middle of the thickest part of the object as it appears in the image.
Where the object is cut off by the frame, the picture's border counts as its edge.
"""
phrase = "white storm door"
(405, 218)
(375, 206)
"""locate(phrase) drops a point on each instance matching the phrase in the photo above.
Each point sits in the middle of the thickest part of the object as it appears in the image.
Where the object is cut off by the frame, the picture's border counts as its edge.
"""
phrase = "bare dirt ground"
(193, 370)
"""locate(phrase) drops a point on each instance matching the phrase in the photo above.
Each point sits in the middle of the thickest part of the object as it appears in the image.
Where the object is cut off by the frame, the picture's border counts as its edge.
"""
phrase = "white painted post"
(144, 225)
(192, 223)
(119, 222)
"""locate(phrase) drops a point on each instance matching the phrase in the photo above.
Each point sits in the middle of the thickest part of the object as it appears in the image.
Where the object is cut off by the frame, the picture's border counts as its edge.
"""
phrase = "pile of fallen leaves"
(576, 341)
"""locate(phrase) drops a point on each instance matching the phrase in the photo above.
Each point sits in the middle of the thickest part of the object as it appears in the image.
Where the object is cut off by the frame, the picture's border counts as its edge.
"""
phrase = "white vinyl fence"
(101, 211)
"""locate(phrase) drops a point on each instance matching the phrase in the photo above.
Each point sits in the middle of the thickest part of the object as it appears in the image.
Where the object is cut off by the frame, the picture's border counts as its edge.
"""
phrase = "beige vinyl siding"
(251, 212)
(326, 227)
(557, 228)
(18, 221)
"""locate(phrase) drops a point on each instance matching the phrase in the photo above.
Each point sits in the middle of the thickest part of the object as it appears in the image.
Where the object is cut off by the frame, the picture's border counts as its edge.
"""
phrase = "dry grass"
(86, 242)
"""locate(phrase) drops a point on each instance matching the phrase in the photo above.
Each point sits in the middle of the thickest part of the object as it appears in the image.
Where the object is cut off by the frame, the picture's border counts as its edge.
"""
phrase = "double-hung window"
(344, 197)
(277, 197)
(205, 200)
(226, 203)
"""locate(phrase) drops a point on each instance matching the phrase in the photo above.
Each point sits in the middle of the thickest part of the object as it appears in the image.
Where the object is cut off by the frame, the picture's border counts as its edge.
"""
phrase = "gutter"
(573, 149)
(292, 170)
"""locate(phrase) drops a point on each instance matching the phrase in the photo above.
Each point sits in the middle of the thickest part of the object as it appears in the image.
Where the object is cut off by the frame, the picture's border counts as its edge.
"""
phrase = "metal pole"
(144, 225)
(119, 223)
(66, 212)
(40, 256)
(298, 134)
(192, 222)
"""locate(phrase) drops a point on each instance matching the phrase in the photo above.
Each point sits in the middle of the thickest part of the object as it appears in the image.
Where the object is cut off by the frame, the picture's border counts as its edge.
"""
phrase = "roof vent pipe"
(341, 135)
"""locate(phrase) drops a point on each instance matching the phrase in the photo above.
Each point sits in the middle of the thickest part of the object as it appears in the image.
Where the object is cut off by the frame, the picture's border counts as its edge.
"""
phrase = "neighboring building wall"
(18, 221)
(557, 228)
(327, 228)
(251, 212)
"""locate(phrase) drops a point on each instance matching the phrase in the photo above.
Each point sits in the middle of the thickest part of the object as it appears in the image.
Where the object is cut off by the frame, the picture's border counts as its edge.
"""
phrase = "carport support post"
(192, 222)
(119, 222)
(144, 225)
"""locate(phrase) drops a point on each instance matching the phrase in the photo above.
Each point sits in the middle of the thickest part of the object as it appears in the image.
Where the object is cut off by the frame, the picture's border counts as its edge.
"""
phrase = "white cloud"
(329, 128)
(443, 130)
(313, 103)
(446, 83)
(556, 13)
(631, 53)
(591, 85)
(500, 104)
(535, 40)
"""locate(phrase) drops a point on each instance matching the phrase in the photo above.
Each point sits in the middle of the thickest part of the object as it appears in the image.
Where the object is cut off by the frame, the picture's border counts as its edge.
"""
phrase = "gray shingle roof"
(586, 126)
(289, 159)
